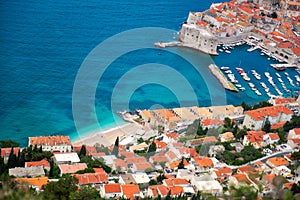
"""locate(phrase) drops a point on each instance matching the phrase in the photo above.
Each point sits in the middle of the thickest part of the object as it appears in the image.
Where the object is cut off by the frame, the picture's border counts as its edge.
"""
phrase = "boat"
(246, 78)
(228, 72)
(242, 89)
(224, 68)
(280, 80)
(251, 85)
(262, 54)
(258, 93)
(287, 74)
(278, 75)
(227, 51)
(238, 85)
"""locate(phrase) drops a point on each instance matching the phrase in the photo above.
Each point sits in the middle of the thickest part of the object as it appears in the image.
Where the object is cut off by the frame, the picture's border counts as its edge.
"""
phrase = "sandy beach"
(108, 137)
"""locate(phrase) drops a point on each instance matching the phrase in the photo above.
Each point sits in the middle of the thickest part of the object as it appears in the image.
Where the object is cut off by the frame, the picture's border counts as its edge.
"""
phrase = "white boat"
(227, 51)
(278, 75)
(287, 74)
(224, 68)
(258, 93)
(251, 85)
(262, 54)
(221, 50)
(228, 72)
(242, 89)
(280, 80)
(238, 85)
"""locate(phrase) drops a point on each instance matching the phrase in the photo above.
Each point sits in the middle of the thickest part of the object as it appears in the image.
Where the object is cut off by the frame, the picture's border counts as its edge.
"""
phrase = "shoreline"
(107, 137)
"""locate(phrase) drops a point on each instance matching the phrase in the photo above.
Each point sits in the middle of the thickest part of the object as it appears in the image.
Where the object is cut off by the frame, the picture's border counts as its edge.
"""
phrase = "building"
(277, 161)
(111, 190)
(215, 150)
(256, 138)
(52, 143)
(5, 152)
(35, 183)
(294, 133)
(27, 171)
(270, 139)
(294, 143)
(255, 119)
(130, 191)
(70, 169)
(91, 178)
(126, 179)
(66, 158)
(157, 190)
(206, 184)
(44, 163)
(226, 137)
(141, 167)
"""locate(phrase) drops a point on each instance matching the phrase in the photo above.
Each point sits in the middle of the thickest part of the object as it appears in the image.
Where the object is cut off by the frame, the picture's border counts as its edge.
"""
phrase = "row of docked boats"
(227, 47)
(243, 74)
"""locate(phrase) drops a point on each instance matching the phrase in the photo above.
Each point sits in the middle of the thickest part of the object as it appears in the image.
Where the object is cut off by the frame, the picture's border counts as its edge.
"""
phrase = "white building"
(65, 158)
(52, 143)
(206, 184)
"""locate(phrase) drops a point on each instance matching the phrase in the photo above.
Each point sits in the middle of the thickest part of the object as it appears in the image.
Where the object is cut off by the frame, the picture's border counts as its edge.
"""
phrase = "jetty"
(215, 70)
(167, 44)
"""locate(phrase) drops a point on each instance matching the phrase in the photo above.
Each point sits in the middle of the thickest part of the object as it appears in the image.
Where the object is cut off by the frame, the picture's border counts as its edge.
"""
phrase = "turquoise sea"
(44, 43)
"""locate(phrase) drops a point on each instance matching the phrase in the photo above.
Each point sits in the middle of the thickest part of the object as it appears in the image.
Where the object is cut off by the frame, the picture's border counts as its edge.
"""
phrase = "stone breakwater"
(222, 78)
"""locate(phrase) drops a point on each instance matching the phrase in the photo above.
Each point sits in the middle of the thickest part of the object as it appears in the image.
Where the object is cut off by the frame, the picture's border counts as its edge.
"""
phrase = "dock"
(222, 78)
(282, 66)
(167, 44)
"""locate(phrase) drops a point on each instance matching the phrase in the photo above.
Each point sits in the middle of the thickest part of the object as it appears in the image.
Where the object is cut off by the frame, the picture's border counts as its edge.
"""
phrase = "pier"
(282, 66)
(167, 44)
(222, 78)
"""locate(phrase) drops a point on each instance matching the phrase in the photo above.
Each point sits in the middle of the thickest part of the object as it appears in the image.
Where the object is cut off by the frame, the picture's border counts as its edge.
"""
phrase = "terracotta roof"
(255, 136)
(126, 154)
(143, 166)
(99, 154)
(209, 122)
(284, 100)
(225, 170)
(273, 136)
(209, 139)
(69, 169)
(112, 188)
(99, 170)
(159, 159)
(171, 155)
(160, 144)
(176, 190)
(297, 131)
(91, 178)
(242, 178)
(273, 111)
(288, 185)
(176, 181)
(296, 140)
(278, 161)
(120, 163)
(6, 151)
(277, 125)
(129, 190)
(159, 190)
(175, 164)
(269, 177)
(89, 149)
(172, 135)
(43, 163)
(50, 140)
(38, 182)
(246, 169)
(204, 162)
(137, 159)
(227, 135)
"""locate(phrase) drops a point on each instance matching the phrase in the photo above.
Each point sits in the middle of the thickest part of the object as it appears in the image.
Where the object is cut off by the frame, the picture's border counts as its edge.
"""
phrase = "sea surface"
(44, 43)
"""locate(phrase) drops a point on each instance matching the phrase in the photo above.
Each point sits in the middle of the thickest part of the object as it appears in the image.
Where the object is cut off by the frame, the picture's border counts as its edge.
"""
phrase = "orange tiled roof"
(100, 154)
(288, 185)
(277, 125)
(38, 182)
(159, 159)
(242, 178)
(43, 163)
(69, 169)
(91, 178)
(269, 177)
(285, 45)
(204, 162)
(112, 188)
(202, 23)
(172, 135)
(273, 111)
(99, 170)
(273, 136)
(225, 170)
(126, 154)
(255, 136)
(297, 131)
(176, 190)
(284, 100)
(296, 140)
(176, 181)
(159, 190)
(89, 149)
(175, 164)
(50, 140)
(296, 51)
(129, 190)
(160, 144)
(120, 163)
(209, 122)
(6, 151)
(171, 155)
(136, 159)
(143, 166)
(278, 161)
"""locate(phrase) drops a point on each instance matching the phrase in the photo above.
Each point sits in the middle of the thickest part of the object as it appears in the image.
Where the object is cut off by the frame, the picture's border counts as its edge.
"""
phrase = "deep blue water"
(43, 44)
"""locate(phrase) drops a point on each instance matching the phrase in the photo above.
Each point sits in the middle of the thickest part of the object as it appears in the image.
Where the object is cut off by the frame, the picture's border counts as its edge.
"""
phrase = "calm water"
(43, 45)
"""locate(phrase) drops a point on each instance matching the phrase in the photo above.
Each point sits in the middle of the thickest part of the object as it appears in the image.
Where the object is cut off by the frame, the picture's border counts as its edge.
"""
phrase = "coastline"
(109, 136)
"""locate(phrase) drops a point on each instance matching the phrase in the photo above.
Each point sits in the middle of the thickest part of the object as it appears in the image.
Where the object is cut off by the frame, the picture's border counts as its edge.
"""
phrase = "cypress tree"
(152, 147)
(82, 151)
(181, 164)
(12, 159)
(2, 165)
(116, 147)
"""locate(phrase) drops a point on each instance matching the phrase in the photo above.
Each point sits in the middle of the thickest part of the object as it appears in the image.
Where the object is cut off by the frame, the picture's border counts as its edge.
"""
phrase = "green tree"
(12, 159)
(8, 144)
(267, 126)
(85, 193)
(152, 147)
(116, 147)
(60, 189)
(152, 182)
(181, 164)
(54, 170)
(244, 192)
(82, 151)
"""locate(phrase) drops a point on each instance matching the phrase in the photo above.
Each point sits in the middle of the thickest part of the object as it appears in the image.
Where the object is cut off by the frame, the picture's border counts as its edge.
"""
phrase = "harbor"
(222, 78)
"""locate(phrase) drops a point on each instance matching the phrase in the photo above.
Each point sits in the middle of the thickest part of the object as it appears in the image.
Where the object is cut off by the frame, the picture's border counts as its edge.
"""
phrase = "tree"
(181, 164)
(160, 178)
(244, 192)
(152, 147)
(8, 143)
(296, 155)
(85, 193)
(116, 147)
(12, 159)
(152, 182)
(228, 123)
(54, 170)
(267, 126)
(274, 15)
(60, 189)
(82, 151)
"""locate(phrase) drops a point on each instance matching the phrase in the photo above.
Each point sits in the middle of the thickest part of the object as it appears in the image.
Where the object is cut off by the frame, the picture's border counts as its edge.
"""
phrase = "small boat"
(278, 75)
(228, 72)
(238, 85)
(287, 74)
(242, 89)
(280, 80)
(221, 50)
(227, 51)
(251, 85)
(224, 68)
(262, 54)
(246, 78)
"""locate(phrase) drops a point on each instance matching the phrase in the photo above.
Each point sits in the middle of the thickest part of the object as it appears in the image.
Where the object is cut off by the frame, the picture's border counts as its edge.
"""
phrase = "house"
(282, 170)
(140, 178)
(130, 191)
(5, 152)
(204, 163)
(70, 169)
(215, 150)
(44, 163)
(52, 143)
(126, 154)
(158, 159)
(205, 140)
(256, 138)
(206, 184)
(126, 179)
(171, 155)
(238, 180)
(26, 171)
(255, 119)
(136, 159)
(90, 150)
(277, 125)
(277, 161)
(226, 137)
(91, 178)
(174, 164)
(139, 147)
(294, 143)
(66, 158)
(110, 190)
(119, 165)
(270, 139)
(222, 174)
(170, 137)
(212, 123)
(294, 133)
(175, 191)
(157, 190)
(238, 146)
(140, 167)
(35, 183)
(109, 160)
(160, 146)
(176, 182)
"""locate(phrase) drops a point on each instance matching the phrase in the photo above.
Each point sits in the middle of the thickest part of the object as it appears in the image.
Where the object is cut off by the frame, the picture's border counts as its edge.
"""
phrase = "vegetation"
(256, 106)
(115, 150)
(293, 123)
(8, 143)
(196, 128)
(181, 164)
(85, 193)
(82, 151)
(152, 147)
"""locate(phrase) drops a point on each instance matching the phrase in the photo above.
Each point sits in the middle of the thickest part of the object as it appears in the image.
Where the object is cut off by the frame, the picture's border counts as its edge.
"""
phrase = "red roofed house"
(256, 138)
(204, 163)
(294, 133)
(176, 191)
(238, 180)
(277, 161)
(158, 159)
(176, 182)
(141, 166)
(5, 152)
(35, 183)
(270, 139)
(212, 123)
(277, 125)
(89, 149)
(91, 178)
(222, 173)
(70, 169)
(171, 137)
(44, 163)
(255, 119)
(294, 143)
(157, 190)
(52, 143)
(160, 145)
(283, 101)
(130, 191)
(119, 165)
(111, 190)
